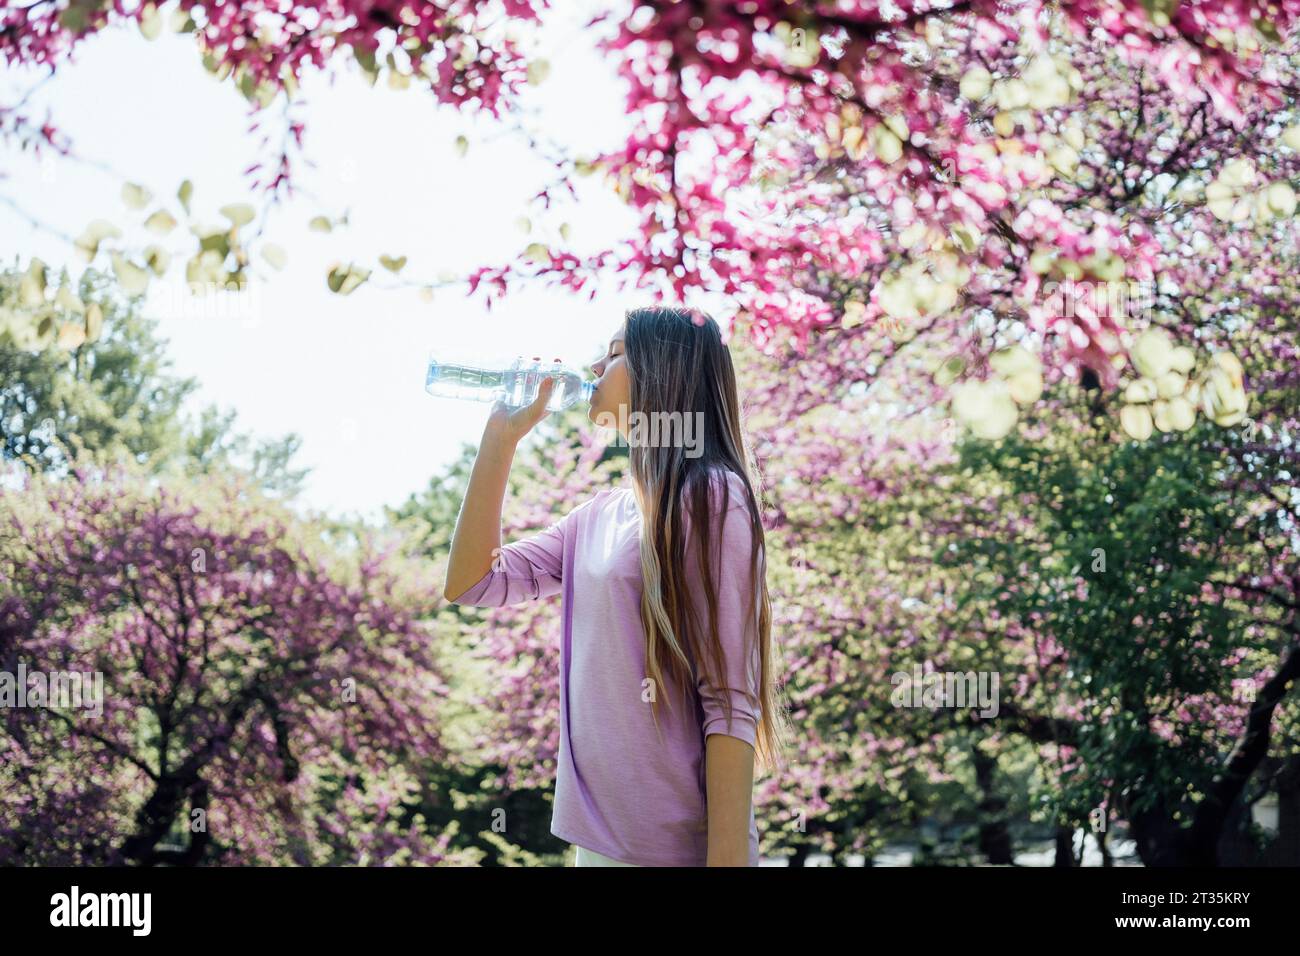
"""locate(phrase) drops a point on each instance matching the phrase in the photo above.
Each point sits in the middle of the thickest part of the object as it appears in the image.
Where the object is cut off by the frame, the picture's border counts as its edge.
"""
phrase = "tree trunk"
(994, 834)
(1103, 847)
(1064, 846)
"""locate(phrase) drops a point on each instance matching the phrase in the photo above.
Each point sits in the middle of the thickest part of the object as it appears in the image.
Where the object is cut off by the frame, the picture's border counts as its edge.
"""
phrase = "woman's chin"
(601, 417)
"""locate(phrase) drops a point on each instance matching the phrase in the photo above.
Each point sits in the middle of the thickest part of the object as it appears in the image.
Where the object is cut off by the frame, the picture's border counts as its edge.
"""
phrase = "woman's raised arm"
(478, 526)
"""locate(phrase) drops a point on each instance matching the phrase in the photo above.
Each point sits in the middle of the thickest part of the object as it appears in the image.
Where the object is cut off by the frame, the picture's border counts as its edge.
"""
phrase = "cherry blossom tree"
(951, 119)
(1211, 202)
(265, 698)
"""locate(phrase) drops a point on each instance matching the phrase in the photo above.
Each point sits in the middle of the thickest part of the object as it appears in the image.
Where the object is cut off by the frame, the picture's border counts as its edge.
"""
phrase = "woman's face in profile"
(611, 400)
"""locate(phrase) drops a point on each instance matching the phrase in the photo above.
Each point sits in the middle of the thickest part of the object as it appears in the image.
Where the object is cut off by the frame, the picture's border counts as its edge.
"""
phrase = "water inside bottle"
(448, 380)
(522, 386)
(516, 386)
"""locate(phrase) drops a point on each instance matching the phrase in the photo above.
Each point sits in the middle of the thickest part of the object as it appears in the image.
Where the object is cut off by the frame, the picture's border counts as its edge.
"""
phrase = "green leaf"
(184, 194)
(1268, 30)
(100, 229)
(538, 71)
(1013, 360)
(94, 321)
(31, 289)
(68, 300)
(366, 60)
(151, 22)
(365, 57)
(157, 259)
(44, 331)
(320, 224)
(392, 263)
(218, 242)
(344, 279)
(73, 18)
(239, 214)
(537, 252)
(161, 222)
(135, 195)
(132, 278)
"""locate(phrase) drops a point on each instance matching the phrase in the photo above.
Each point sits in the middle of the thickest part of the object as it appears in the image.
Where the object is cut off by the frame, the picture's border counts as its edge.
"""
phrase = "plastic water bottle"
(516, 386)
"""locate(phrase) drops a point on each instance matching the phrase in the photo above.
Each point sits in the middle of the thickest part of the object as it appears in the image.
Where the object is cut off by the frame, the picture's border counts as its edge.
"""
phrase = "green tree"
(1151, 682)
(108, 390)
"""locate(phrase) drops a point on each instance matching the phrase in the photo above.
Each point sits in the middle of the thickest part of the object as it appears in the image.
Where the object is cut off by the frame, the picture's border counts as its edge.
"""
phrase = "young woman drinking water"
(667, 690)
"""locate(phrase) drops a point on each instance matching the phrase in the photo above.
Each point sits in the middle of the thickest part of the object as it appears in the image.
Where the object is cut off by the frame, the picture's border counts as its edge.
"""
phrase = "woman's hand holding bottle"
(508, 425)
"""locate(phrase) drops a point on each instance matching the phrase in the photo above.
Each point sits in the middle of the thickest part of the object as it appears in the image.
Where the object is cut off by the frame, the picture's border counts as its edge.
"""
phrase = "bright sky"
(345, 373)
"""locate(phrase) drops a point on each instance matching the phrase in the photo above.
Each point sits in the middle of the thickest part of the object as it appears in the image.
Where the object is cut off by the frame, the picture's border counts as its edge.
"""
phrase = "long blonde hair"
(678, 363)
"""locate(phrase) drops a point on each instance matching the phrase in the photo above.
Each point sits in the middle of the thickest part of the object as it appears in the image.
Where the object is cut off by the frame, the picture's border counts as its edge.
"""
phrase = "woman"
(638, 783)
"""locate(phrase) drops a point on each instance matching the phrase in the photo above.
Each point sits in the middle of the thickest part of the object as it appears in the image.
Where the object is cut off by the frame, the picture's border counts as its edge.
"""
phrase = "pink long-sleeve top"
(620, 790)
